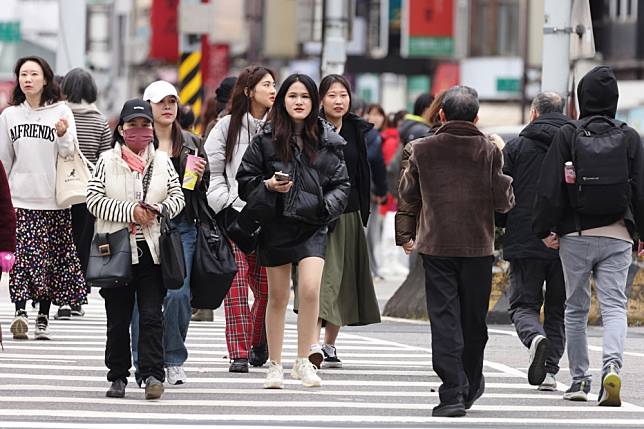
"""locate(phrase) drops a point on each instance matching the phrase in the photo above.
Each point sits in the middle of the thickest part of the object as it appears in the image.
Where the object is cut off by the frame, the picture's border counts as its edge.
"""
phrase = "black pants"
(147, 284)
(82, 232)
(526, 298)
(458, 295)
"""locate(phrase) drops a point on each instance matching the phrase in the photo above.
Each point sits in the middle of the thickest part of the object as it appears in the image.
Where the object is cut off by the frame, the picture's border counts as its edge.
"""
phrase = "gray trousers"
(608, 259)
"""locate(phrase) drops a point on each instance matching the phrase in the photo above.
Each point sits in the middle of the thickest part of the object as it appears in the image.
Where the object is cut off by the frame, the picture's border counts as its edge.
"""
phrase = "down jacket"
(320, 188)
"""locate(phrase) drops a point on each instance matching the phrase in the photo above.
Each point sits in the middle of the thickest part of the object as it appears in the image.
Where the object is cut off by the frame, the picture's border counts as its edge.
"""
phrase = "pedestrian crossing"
(61, 384)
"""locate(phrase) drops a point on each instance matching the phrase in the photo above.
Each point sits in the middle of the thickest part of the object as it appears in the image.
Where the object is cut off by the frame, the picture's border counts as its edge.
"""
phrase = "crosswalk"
(61, 384)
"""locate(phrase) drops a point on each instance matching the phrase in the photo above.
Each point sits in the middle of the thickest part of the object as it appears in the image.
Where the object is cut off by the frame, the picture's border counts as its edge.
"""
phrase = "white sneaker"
(42, 328)
(304, 370)
(549, 383)
(176, 375)
(274, 376)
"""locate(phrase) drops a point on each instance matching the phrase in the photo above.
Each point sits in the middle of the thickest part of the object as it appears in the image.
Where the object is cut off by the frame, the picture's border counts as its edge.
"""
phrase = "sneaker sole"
(543, 388)
(154, 392)
(576, 397)
(537, 369)
(114, 395)
(176, 383)
(316, 359)
(612, 385)
(56, 317)
(19, 330)
(276, 384)
(331, 365)
(312, 384)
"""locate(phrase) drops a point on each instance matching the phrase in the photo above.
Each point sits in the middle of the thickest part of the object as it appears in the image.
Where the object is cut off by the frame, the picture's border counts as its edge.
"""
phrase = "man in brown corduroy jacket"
(453, 185)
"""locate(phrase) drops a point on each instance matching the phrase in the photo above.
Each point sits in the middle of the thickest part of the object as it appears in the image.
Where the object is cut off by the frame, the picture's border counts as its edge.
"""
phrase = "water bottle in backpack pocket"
(600, 159)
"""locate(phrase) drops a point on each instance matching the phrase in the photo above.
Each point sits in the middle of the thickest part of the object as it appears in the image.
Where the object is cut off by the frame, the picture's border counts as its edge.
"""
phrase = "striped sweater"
(92, 130)
(114, 190)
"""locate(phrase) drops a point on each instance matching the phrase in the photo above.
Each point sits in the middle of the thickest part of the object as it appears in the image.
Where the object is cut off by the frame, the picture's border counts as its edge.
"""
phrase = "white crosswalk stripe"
(62, 383)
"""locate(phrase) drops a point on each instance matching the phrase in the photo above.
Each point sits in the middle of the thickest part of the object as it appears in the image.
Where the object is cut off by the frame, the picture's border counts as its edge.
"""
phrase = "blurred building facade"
(395, 49)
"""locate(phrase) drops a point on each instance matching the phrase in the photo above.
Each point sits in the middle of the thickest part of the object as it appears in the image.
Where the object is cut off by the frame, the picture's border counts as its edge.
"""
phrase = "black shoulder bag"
(213, 264)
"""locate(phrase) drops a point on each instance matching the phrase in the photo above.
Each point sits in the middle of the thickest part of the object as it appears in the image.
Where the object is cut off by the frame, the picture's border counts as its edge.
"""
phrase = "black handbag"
(239, 228)
(213, 264)
(110, 260)
(173, 265)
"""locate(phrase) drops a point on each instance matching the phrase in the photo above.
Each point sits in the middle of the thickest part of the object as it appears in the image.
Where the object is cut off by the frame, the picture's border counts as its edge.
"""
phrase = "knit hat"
(222, 94)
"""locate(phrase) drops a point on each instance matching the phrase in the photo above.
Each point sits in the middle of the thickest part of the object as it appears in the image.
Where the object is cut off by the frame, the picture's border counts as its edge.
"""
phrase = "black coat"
(412, 129)
(552, 211)
(522, 158)
(321, 188)
(190, 143)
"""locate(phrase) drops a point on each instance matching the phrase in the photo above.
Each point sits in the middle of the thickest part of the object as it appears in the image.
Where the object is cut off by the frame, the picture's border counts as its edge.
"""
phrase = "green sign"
(508, 84)
(10, 31)
(431, 46)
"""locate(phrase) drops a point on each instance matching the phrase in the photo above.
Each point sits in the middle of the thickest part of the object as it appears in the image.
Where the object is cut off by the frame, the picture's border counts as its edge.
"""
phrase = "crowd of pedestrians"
(298, 178)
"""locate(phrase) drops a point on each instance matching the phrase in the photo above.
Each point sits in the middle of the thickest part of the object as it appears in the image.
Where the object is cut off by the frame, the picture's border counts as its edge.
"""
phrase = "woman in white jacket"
(131, 173)
(33, 131)
(252, 97)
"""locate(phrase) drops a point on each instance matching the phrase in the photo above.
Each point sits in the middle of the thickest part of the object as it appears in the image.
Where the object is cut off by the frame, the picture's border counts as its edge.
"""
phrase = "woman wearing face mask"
(34, 130)
(252, 97)
(297, 161)
(132, 172)
(347, 295)
(178, 144)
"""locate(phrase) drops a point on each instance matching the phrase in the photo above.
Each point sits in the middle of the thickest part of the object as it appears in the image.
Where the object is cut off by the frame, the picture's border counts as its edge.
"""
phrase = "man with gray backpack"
(590, 205)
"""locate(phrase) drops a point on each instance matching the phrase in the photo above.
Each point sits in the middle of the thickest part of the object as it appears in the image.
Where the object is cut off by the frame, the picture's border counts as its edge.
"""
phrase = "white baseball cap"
(157, 91)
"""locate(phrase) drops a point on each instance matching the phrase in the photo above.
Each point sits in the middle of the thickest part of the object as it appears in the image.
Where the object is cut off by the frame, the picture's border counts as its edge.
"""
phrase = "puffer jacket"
(320, 188)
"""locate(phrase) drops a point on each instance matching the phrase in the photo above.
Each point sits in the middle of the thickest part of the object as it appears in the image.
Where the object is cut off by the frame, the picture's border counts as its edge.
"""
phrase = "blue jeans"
(176, 309)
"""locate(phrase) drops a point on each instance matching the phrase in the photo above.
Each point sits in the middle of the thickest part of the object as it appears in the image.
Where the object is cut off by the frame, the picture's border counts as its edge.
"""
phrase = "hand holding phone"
(282, 177)
(150, 207)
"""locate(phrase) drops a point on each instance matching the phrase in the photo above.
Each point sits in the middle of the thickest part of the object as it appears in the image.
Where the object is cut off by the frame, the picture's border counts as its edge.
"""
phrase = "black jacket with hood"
(522, 159)
(598, 95)
(320, 188)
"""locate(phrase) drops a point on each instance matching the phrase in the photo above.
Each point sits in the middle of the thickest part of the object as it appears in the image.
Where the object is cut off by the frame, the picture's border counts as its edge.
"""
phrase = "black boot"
(455, 408)
(238, 365)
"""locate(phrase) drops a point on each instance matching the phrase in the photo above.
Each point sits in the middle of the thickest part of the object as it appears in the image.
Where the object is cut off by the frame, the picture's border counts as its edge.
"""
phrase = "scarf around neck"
(134, 161)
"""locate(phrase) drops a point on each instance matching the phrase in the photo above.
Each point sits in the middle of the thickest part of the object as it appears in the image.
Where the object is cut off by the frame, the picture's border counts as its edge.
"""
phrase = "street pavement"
(387, 381)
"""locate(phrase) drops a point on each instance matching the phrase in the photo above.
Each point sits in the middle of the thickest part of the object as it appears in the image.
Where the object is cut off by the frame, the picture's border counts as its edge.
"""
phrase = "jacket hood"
(83, 107)
(544, 128)
(598, 93)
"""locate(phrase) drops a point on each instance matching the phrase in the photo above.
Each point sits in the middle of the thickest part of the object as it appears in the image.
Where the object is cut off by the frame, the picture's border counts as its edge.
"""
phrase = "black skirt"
(285, 241)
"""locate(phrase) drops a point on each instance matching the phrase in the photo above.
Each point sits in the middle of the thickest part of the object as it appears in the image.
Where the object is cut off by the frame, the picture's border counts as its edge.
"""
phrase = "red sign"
(446, 76)
(215, 65)
(431, 18)
(164, 38)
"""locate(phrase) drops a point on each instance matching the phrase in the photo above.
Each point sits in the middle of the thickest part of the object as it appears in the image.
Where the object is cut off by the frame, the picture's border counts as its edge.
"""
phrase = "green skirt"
(347, 295)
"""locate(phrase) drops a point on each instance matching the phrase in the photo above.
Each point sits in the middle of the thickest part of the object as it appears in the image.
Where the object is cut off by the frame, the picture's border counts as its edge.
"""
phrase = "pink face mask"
(137, 139)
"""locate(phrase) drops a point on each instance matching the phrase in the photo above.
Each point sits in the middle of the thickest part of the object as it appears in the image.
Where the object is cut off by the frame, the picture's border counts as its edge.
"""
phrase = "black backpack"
(602, 186)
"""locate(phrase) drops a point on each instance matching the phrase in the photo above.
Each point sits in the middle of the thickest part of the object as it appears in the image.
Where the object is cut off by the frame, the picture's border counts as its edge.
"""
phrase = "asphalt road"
(387, 381)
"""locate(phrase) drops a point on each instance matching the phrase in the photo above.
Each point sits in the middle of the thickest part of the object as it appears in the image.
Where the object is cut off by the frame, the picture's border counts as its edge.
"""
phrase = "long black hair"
(283, 125)
(51, 90)
(239, 103)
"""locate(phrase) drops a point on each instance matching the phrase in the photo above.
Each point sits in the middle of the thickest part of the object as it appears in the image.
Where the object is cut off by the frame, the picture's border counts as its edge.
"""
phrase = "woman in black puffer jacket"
(294, 213)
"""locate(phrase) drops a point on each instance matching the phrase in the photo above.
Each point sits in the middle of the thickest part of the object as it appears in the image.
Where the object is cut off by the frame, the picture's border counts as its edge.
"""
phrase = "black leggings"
(43, 306)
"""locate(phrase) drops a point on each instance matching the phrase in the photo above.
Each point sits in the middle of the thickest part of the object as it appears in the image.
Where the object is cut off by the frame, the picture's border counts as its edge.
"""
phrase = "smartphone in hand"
(150, 207)
(282, 177)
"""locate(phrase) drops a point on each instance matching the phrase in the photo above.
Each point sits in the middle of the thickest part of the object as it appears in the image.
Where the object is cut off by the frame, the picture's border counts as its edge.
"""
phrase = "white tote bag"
(72, 174)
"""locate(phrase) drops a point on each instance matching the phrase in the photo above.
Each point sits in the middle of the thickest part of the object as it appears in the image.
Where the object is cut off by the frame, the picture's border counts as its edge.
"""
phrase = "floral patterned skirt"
(47, 266)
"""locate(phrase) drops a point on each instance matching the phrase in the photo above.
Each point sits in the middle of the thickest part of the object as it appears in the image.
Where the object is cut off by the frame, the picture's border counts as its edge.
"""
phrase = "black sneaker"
(238, 365)
(258, 355)
(578, 391)
(538, 354)
(330, 357)
(64, 313)
(153, 388)
(611, 385)
(117, 389)
(77, 311)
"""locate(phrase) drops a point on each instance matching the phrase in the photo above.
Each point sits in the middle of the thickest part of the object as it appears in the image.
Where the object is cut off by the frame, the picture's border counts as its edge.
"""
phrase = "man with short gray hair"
(453, 185)
(532, 263)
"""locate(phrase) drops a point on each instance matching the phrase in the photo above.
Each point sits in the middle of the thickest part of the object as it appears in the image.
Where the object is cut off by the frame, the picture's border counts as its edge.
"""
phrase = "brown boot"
(202, 315)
